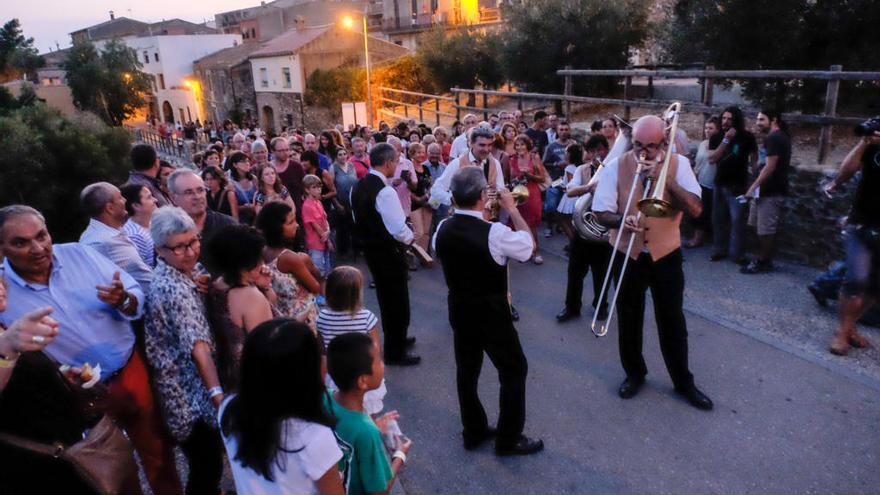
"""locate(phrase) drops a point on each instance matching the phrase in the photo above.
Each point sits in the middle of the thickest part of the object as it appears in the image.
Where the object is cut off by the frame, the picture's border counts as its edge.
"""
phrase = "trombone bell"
(655, 207)
(520, 194)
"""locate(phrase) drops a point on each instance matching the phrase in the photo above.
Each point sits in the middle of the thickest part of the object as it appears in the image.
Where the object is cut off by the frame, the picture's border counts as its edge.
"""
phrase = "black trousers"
(204, 453)
(665, 278)
(485, 326)
(582, 257)
(389, 270)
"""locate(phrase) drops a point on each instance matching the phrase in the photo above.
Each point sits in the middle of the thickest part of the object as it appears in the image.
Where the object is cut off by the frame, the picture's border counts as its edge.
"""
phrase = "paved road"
(783, 423)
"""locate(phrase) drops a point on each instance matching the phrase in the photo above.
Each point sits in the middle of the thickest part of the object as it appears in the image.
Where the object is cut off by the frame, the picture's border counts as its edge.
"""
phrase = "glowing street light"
(348, 22)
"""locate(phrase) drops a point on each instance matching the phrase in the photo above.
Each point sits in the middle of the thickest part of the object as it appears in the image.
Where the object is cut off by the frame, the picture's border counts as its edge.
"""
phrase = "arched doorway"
(167, 112)
(268, 120)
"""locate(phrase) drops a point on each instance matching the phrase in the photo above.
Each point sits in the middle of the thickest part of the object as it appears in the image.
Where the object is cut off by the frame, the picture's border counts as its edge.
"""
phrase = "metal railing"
(171, 146)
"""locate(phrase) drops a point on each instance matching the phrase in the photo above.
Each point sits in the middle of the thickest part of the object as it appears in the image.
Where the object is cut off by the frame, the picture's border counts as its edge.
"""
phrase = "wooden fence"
(707, 77)
(397, 97)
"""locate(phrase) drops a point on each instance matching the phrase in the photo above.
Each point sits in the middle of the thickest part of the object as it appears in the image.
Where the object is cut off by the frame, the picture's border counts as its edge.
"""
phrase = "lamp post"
(349, 23)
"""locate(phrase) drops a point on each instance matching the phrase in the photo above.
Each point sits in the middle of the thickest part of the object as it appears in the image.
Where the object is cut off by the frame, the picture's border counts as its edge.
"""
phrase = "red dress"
(531, 209)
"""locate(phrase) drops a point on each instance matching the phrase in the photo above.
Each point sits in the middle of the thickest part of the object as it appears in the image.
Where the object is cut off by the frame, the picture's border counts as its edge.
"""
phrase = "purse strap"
(41, 448)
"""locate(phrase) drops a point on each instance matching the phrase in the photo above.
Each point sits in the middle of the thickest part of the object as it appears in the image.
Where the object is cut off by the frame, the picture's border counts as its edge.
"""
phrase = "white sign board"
(354, 114)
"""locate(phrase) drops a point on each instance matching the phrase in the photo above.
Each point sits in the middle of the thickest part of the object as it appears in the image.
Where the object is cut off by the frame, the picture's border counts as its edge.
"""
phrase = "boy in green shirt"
(355, 364)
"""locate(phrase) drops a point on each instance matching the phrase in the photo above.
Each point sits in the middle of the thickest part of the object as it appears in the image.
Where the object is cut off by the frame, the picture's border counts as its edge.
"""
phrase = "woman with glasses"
(180, 348)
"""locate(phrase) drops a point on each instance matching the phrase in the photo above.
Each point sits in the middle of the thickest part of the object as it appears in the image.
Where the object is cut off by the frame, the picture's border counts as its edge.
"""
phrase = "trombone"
(650, 206)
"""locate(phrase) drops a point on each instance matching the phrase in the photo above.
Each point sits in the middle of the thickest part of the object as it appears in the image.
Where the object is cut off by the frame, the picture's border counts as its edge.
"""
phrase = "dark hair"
(773, 113)
(738, 119)
(575, 153)
(261, 185)
(595, 141)
(381, 154)
(596, 126)
(237, 157)
(525, 140)
(348, 358)
(280, 380)
(343, 289)
(143, 156)
(235, 248)
(215, 172)
(270, 222)
(312, 158)
(210, 152)
(714, 120)
(612, 120)
(540, 114)
(467, 186)
(132, 195)
(330, 149)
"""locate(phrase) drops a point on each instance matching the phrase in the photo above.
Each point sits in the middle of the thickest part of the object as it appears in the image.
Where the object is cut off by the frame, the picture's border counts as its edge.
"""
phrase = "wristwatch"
(126, 298)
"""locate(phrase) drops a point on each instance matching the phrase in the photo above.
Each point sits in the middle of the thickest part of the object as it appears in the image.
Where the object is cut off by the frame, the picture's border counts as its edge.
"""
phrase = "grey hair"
(357, 140)
(258, 144)
(381, 154)
(94, 197)
(469, 116)
(395, 142)
(429, 139)
(168, 221)
(467, 186)
(7, 213)
(172, 179)
(438, 129)
(481, 132)
(239, 137)
(435, 146)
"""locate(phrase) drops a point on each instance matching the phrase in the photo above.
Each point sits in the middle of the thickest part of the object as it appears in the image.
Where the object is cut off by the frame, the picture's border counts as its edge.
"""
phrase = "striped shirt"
(142, 241)
(332, 324)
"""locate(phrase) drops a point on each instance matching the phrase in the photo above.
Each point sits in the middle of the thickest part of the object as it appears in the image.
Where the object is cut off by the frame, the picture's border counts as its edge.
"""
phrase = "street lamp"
(348, 22)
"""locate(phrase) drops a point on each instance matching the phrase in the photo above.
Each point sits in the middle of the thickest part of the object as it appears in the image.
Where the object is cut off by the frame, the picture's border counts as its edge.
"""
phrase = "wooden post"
(485, 107)
(421, 117)
(437, 108)
(519, 105)
(457, 105)
(627, 90)
(405, 107)
(651, 87)
(568, 91)
(830, 111)
(708, 92)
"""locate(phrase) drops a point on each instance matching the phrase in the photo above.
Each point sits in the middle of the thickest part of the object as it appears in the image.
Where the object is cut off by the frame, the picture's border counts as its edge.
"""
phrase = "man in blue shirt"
(93, 301)
(311, 144)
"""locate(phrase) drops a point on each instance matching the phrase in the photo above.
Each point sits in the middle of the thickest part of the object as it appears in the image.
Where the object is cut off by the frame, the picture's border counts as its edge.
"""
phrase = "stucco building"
(227, 83)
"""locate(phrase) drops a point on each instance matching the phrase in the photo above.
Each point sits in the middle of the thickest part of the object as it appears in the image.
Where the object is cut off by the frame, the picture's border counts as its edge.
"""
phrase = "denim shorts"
(862, 274)
(552, 197)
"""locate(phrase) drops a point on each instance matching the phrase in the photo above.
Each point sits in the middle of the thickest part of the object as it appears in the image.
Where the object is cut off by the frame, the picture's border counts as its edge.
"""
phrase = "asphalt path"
(782, 423)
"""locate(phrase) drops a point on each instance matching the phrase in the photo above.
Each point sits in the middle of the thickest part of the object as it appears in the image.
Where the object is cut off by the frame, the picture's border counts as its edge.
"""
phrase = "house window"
(264, 77)
(253, 33)
(161, 81)
(146, 57)
(285, 73)
(156, 56)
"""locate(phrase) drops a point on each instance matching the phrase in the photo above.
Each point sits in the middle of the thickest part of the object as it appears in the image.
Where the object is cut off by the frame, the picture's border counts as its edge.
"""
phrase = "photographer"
(861, 237)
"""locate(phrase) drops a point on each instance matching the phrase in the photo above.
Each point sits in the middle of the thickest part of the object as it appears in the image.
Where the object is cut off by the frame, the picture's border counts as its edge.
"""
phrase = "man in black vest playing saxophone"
(474, 255)
(381, 231)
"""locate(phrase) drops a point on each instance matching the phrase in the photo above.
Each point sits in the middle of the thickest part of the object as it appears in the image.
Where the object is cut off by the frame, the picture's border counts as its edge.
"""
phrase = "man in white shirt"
(474, 256)
(460, 144)
(655, 257)
(480, 155)
(105, 205)
(381, 231)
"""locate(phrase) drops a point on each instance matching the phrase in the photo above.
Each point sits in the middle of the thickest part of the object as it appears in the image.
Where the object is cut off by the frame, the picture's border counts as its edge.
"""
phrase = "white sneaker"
(548, 233)
(538, 260)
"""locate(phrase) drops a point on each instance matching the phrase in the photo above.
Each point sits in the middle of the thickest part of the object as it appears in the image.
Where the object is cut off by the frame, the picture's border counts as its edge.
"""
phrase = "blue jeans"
(552, 197)
(321, 259)
(728, 223)
(862, 274)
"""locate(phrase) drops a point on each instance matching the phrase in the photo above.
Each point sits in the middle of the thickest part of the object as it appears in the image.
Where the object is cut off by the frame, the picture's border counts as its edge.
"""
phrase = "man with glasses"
(188, 192)
(655, 257)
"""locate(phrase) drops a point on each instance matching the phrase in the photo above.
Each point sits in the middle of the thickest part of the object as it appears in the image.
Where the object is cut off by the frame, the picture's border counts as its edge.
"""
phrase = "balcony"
(424, 22)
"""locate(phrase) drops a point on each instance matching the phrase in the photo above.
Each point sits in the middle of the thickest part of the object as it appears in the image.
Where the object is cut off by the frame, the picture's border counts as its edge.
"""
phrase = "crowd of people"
(209, 307)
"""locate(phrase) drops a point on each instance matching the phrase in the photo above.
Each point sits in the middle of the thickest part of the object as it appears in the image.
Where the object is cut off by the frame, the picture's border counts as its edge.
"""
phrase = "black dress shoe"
(717, 257)
(523, 446)
(410, 341)
(629, 388)
(566, 315)
(696, 398)
(472, 442)
(514, 314)
(405, 360)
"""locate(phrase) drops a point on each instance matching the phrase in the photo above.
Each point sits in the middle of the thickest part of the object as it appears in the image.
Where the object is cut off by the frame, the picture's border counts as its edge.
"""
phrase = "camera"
(868, 127)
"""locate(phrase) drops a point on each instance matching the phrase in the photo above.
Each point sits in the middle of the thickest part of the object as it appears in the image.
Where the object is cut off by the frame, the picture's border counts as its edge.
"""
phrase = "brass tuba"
(584, 220)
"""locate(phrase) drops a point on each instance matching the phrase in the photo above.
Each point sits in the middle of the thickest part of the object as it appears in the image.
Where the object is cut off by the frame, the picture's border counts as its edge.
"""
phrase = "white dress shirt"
(504, 242)
(459, 146)
(605, 198)
(388, 206)
(118, 248)
(440, 190)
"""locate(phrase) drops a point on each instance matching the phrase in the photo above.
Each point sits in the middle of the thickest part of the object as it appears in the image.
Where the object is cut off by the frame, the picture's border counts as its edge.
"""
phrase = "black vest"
(369, 230)
(471, 273)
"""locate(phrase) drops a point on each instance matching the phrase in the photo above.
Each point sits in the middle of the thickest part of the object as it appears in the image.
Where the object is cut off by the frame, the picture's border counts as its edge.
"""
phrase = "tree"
(329, 88)
(17, 53)
(465, 57)
(108, 83)
(543, 36)
(46, 160)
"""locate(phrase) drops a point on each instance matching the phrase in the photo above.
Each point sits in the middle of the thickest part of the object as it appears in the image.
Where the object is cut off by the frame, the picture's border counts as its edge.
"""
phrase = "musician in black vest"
(381, 231)
(474, 255)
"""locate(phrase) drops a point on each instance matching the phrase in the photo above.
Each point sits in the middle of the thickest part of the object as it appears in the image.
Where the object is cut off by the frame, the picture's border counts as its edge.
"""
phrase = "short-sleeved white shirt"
(605, 198)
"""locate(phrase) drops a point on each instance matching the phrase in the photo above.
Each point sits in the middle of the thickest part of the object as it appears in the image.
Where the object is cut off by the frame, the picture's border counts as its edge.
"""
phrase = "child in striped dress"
(345, 313)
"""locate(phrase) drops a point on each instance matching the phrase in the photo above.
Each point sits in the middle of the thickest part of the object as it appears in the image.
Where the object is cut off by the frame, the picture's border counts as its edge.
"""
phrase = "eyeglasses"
(180, 249)
(650, 146)
(198, 191)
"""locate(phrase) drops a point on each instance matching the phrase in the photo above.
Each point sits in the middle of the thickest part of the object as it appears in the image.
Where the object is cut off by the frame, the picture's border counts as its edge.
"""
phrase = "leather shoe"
(566, 315)
(514, 314)
(471, 443)
(410, 341)
(523, 446)
(405, 360)
(696, 398)
(629, 388)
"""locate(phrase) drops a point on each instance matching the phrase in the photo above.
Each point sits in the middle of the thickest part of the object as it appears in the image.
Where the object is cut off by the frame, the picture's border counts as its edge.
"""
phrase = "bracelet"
(215, 391)
(399, 455)
(725, 141)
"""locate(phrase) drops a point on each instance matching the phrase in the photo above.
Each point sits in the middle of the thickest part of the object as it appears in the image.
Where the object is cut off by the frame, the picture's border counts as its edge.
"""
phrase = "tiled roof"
(289, 42)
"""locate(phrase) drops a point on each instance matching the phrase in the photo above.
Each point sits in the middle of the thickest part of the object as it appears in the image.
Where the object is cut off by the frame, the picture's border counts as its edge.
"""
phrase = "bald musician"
(655, 258)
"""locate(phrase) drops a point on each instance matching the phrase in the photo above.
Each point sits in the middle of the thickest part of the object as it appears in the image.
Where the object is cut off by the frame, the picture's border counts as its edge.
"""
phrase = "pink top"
(313, 214)
(402, 189)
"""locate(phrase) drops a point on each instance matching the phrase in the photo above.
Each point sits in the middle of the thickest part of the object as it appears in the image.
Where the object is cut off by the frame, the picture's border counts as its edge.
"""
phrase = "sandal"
(858, 341)
(538, 260)
(839, 345)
